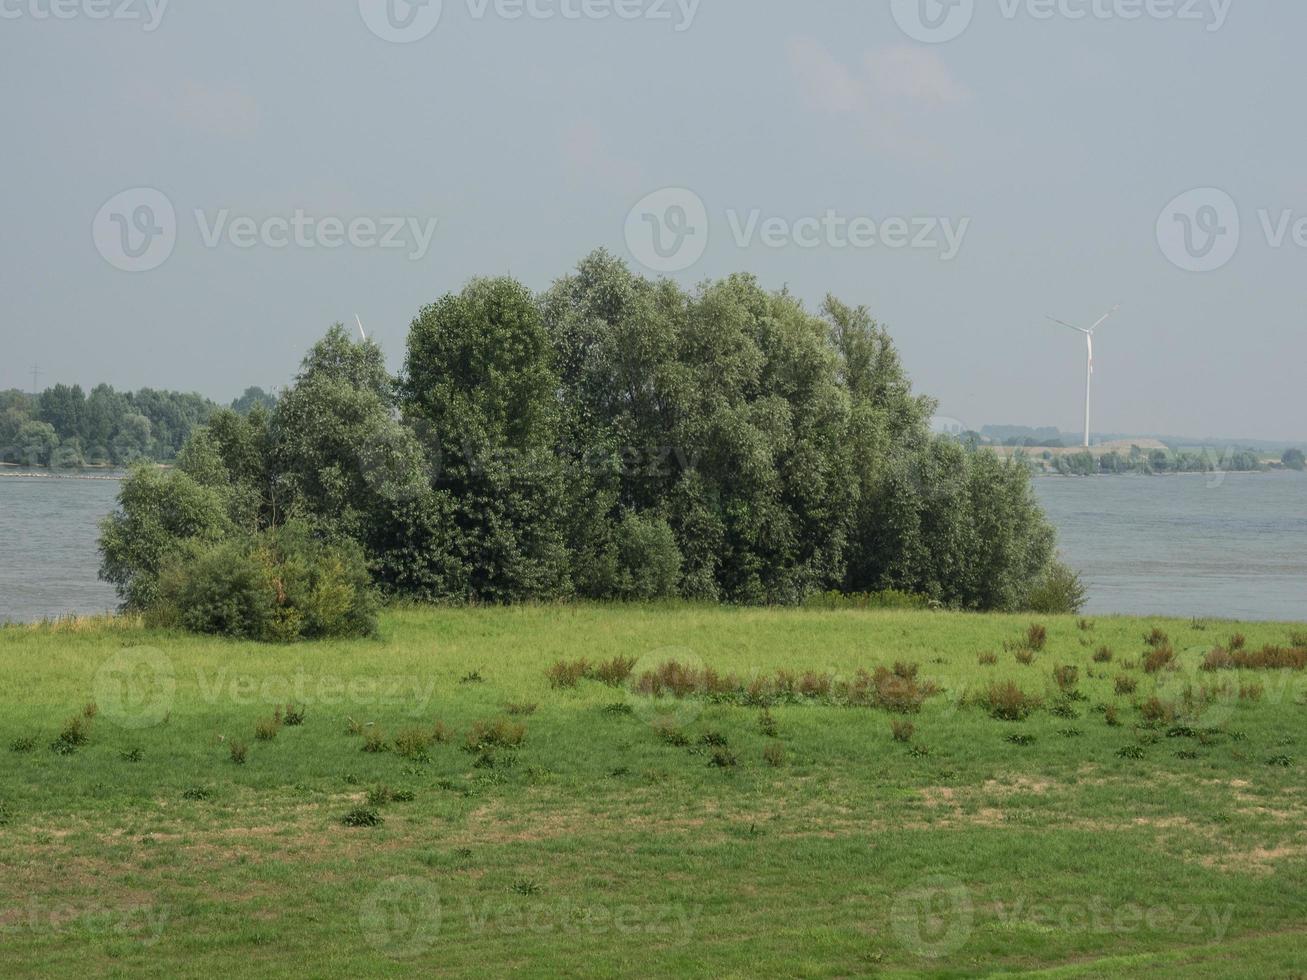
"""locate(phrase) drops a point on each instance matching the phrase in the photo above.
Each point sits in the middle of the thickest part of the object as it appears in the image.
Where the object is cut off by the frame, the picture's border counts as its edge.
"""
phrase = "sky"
(193, 192)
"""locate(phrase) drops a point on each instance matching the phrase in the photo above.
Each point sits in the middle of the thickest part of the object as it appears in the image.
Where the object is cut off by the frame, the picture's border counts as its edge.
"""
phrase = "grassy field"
(639, 835)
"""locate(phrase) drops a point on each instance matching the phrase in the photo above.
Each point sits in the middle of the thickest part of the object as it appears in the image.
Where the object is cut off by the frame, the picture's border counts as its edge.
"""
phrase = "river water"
(1232, 546)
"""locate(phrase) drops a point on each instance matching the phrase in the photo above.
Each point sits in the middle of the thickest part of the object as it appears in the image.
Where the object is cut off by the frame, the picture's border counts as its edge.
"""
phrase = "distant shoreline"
(29, 475)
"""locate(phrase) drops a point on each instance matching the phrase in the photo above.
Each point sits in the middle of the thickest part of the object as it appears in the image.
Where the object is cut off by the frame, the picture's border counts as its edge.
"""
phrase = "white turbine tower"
(1089, 342)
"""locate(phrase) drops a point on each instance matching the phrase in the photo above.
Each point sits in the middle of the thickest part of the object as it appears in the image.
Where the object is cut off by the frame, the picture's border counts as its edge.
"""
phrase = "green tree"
(479, 380)
(252, 398)
(160, 514)
(1294, 459)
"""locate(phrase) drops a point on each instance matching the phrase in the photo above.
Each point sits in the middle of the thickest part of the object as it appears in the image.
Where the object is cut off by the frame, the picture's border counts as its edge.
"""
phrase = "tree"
(479, 378)
(159, 515)
(36, 443)
(254, 397)
(1294, 459)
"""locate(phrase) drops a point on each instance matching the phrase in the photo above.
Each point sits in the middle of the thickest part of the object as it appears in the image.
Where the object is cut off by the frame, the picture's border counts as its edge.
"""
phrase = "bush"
(280, 586)
(1059, 591)
(648, 559)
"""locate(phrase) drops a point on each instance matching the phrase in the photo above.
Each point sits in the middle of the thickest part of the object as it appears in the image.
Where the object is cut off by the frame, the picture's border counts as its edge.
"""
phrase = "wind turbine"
(1089, 342)
(359, 320)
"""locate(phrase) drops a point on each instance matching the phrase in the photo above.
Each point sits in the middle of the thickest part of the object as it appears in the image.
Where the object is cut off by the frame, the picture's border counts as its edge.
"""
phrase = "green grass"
(618, 838)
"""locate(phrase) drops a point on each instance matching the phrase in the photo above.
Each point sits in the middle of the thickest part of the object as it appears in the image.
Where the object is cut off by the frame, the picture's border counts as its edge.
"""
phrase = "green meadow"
(462, 796)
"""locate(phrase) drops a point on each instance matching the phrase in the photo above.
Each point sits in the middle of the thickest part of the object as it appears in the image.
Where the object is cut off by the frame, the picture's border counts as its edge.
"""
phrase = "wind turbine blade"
(1106, 316)
(359, 321)
(1071, 325)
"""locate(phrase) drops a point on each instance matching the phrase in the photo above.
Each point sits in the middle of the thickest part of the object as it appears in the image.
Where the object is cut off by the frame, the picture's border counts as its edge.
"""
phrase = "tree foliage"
(614, 438)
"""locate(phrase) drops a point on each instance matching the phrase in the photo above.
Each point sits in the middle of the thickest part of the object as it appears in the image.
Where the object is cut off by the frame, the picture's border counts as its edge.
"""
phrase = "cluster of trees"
(1156, 461)
(1294, 459)
(65, 427)
(613, 438)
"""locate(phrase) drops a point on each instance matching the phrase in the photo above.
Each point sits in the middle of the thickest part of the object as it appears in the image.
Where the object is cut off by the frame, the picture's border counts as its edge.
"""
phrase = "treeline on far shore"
(65, 428)
(1161, 461)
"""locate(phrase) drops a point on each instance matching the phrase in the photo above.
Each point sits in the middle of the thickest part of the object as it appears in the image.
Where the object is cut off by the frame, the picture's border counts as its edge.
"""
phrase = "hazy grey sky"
(1032, 158)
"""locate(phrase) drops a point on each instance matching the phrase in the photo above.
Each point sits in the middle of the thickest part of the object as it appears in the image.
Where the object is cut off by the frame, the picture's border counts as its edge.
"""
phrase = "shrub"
(1025, 655)
(1159, 657)
(1126, 684)
(1036, 637)
(1020, 738)
(1267, 658)
(1103, 655)
(374, 741)
(266, 730)
(987, 659)
(1067, 678)
(1058, 592)
(893, 691)
(1238, 641)
(198, 793)
(723, 759)
(238, 751)
(1112, 716)
(902, 730)
(767, 724)
(1156, 638)
(1130, 752)
(670, 732)
(279, 586)
(1156, 710)
(24, 743)
(648, 559)
(75, 734)
(566, 673)
(1007, 702)
(495, 734)
(412, 743)
(614, 672)
(361, 816)
(774, 755)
